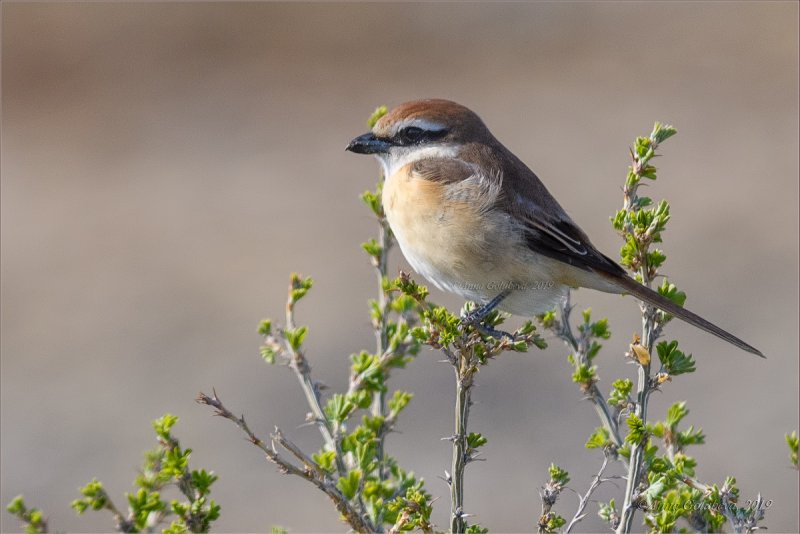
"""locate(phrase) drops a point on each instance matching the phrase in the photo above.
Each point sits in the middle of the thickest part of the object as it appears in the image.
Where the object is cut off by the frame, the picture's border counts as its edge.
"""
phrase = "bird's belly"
(466, 250)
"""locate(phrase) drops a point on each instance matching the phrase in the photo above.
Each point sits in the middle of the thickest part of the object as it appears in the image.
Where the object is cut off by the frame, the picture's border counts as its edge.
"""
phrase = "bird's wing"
(462, 182)
(443, 170)
(557, 237)
(546, 231)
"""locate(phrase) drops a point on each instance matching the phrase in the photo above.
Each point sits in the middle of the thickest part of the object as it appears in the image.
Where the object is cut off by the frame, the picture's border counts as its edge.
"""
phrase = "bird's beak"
(369, 144)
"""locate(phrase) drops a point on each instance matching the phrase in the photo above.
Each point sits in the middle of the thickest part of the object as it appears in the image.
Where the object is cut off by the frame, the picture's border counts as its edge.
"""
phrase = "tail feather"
(629, 285)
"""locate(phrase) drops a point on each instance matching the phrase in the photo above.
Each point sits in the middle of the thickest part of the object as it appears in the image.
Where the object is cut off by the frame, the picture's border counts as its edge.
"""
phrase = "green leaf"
(16, 506)
(599, 438)
(637, 431)
(558, 475)
(520, 346)
(792, 441)
(163, 425)
(409, 287)
(475, 440)
(584, 375)
(398, 402)
(372, 248)
(299, 286)
(620, 392)
(202, 480)
(176, 527)
(348, 485)
(654, 491)
(338, 408)
(656, 258)
(607, 512)
(673, 361)
(142, 503)
(671, 292)
(363, 361)
(690, 436)
(326, 460)
(265, 327)
(373, 201)
(176, 462)
(374, 423)
(629, 252)
(600, 329)
(361, 399)
(551, 522)
(268, 353)
(365, 454)
(658, 430)
(33, 518)
(379, 112)
(659, 465)
(295, 337)
(548, 319)
(662, 132)
(675, 414)
(95, 497)
(618, 220)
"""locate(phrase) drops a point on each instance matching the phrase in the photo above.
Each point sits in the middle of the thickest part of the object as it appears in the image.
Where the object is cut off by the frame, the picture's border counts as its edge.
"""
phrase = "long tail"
(629, 285)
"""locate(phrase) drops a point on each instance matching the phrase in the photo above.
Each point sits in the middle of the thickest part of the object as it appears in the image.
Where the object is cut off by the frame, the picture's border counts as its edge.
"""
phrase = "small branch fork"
(310, 471)
(583, 500)
(579, 346)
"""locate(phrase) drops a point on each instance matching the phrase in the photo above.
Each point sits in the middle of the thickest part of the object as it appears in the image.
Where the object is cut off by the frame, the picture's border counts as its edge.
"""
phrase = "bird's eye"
(411, 134)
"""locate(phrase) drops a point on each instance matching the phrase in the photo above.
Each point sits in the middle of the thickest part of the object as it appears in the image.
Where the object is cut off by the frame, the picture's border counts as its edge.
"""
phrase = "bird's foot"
(494, 332)
(475, 317)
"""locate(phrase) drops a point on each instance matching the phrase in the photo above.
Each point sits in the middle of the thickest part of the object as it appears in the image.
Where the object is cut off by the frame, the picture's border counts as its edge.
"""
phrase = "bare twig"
(310, 470)
(583, 500)
(124, 523)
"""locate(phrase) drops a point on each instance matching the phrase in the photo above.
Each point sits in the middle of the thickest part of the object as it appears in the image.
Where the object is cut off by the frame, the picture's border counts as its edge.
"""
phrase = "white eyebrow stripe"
(425, 124)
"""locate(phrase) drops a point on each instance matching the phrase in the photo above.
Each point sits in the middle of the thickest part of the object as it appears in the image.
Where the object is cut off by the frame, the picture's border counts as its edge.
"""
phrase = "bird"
(474, 220)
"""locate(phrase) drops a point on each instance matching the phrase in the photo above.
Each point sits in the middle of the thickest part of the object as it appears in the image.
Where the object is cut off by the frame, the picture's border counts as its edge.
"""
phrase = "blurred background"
(166, 166)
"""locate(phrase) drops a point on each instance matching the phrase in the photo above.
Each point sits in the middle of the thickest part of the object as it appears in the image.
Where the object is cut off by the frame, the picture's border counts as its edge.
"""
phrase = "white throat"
(399, 157)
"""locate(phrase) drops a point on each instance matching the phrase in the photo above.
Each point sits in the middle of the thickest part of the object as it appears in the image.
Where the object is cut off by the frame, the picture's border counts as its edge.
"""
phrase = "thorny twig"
(310, 470)
(464, 370)
(583, 500)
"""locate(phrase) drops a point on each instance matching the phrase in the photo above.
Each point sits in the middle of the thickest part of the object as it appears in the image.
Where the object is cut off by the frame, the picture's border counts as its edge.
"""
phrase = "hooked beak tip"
(368, 143)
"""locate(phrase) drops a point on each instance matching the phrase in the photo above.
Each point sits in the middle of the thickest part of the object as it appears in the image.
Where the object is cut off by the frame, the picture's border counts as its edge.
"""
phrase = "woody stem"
(460, 452)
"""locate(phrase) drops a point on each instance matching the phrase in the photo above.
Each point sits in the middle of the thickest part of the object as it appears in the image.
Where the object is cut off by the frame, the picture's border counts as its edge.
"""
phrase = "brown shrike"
(476, 221)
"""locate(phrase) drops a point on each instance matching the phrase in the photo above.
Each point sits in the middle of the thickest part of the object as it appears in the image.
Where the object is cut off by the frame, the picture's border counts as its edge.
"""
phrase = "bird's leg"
(477, 315)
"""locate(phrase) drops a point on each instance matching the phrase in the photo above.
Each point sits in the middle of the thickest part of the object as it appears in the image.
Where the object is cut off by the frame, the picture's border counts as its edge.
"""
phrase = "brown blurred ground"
(165, 166)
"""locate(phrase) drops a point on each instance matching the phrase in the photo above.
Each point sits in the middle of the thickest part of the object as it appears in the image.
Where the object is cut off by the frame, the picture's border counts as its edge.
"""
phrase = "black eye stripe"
(411, 135)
